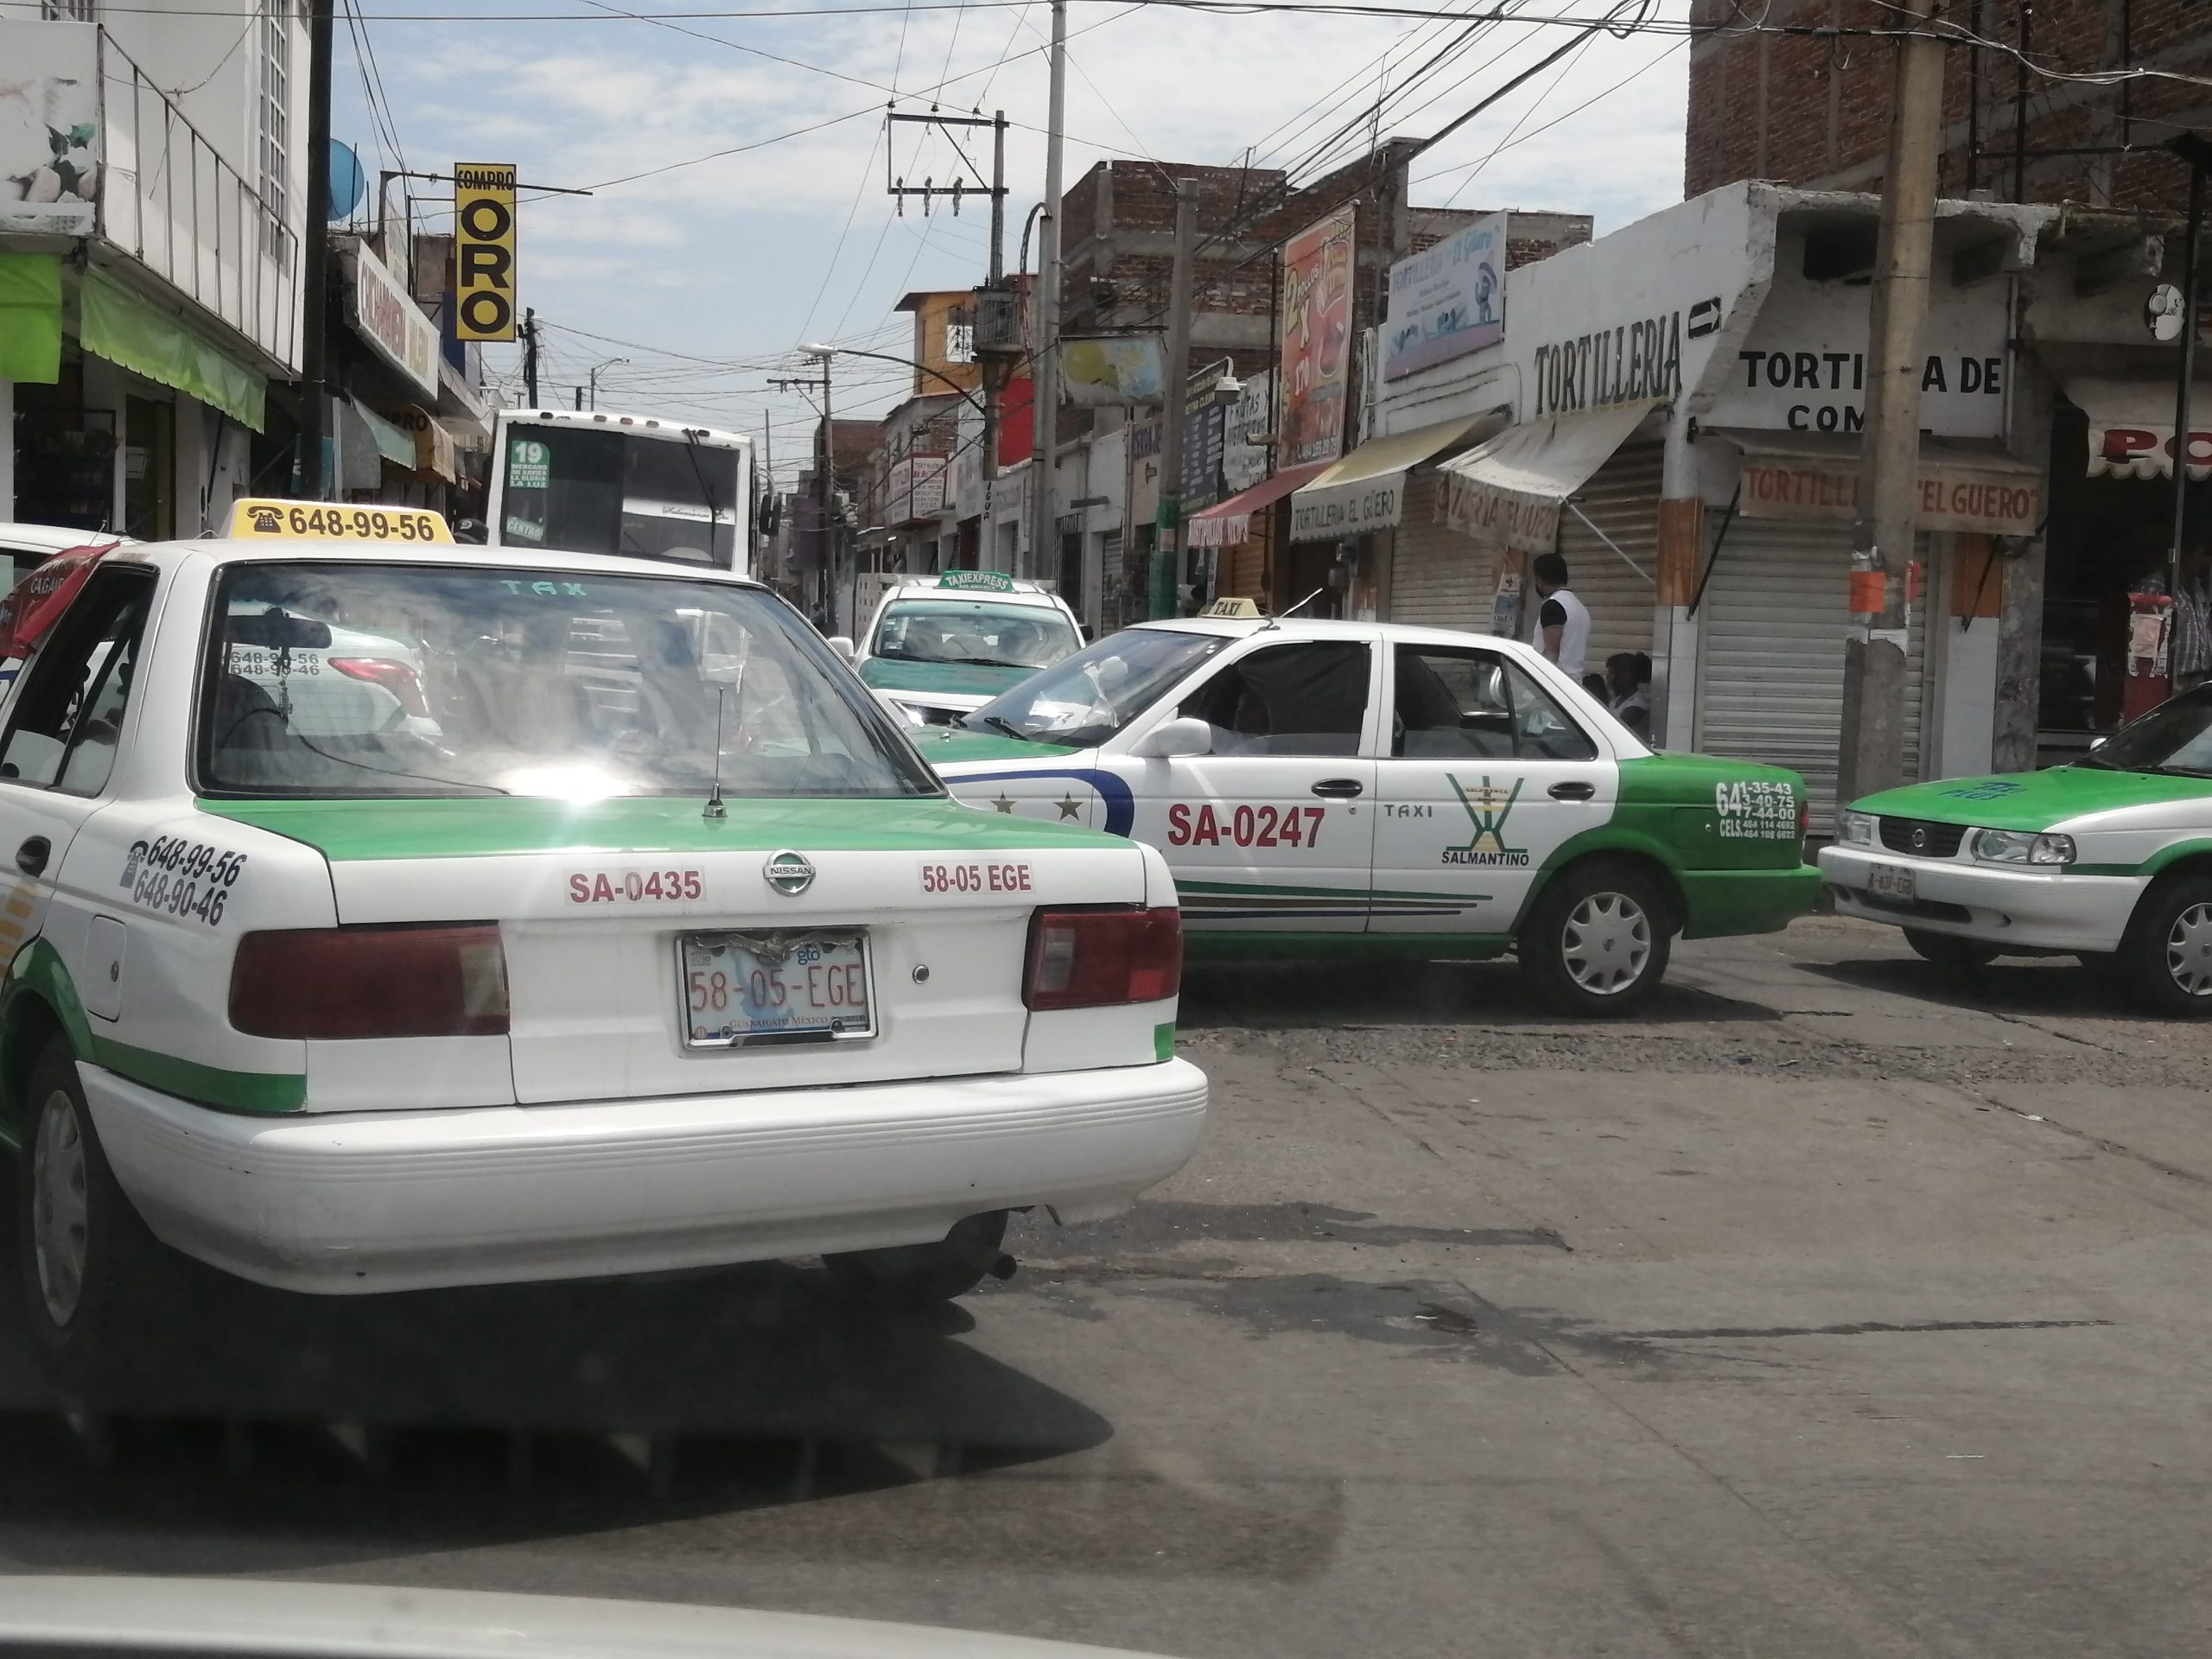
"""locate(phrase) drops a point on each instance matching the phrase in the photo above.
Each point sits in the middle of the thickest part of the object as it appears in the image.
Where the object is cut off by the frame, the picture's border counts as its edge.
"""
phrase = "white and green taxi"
(938, 646)
(653, 946)
(2107, 859)
(1348, 789)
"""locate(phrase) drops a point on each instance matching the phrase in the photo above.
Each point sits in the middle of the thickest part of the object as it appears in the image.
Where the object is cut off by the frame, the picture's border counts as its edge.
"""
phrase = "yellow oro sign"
(255, 520)
(484, 249)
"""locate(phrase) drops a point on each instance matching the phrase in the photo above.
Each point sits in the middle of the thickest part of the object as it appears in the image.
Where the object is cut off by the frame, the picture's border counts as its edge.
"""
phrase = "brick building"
(1813, 111)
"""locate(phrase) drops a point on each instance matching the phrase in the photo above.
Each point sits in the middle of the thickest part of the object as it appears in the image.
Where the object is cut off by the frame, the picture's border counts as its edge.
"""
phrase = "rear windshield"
(973, 631)
(334, 679)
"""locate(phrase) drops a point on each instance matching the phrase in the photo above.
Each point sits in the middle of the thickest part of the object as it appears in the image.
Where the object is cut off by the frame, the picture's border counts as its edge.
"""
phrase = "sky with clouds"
(738, 163)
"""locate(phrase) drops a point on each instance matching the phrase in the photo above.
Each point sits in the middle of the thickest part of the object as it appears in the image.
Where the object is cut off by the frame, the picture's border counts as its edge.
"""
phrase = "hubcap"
(58, 1212)
(1607, 942)
(2188, 951)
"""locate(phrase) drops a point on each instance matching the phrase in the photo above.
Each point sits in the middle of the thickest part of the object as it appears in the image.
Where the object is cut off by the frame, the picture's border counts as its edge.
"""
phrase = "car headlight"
(1856, 829)
(2018, 847)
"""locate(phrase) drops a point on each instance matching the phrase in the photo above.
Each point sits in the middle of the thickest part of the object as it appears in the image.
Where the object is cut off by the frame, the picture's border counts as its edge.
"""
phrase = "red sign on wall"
(1017, 421)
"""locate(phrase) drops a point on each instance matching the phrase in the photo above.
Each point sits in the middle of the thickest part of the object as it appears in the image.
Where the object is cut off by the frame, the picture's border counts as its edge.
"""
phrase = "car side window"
(69, 719)
(1309, 697)
(1455, 705)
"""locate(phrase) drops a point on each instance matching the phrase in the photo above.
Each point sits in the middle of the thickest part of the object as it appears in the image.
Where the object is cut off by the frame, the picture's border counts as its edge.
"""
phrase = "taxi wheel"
(912, 1274)
(1945, 951)
(1598, 940)
(2168, 951)
(83, 1251)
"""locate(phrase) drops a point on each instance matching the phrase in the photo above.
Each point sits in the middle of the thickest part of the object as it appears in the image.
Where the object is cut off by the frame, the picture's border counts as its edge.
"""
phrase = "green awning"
(115, 323)
(31, 318)
(393, 444)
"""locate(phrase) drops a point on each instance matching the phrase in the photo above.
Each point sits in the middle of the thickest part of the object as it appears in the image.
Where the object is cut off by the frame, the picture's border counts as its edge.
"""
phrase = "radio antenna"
(714, 807)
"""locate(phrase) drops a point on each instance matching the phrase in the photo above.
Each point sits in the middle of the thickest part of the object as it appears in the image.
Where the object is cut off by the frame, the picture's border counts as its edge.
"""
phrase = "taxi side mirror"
(1173, 739)
(842, 645)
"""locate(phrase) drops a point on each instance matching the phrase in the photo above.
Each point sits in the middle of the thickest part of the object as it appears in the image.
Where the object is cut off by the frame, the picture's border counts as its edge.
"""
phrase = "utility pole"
(314, 259)
(579, 402)
(1167, 573)
(2197, 153)
(530, 356)
(1872, 755)
(1045, 370)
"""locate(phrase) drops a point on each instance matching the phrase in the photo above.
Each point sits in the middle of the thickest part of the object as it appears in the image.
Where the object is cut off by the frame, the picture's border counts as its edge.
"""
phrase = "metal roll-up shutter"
(1244, 565)
(1440, 577)
(1622, 499)
(1770, 653)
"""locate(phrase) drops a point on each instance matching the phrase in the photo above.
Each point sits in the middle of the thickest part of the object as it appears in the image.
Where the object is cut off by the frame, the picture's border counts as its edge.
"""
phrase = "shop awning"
(432, 450)
(1510, 490)
(31, 318)
(1969, 484)
(1226, 523)
(2132, 422)
(392, 444)
(1367, 489)
(117, 324)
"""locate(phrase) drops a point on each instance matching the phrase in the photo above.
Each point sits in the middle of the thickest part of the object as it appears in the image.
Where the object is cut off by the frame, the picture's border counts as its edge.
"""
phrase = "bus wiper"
(1006, 725)
(705, 490)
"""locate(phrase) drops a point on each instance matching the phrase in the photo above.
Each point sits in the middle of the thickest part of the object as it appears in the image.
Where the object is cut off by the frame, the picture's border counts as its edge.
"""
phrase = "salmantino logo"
(1488, 805)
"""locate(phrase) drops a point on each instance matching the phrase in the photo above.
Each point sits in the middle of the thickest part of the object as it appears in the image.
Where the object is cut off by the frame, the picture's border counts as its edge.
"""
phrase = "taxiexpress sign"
(1948, 499)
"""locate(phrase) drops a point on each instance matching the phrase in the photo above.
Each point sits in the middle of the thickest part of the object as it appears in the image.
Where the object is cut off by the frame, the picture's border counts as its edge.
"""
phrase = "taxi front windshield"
(1092, 695)
(2175, 738)
(973, 631)
(386, 680)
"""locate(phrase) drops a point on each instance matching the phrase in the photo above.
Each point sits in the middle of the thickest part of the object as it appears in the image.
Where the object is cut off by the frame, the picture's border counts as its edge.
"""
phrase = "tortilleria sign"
(1952, 496)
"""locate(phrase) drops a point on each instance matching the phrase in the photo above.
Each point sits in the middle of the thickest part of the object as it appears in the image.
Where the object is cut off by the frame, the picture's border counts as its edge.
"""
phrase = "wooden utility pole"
(316, 480)
(1044, 481)
(1167, 551)
(1872, 756)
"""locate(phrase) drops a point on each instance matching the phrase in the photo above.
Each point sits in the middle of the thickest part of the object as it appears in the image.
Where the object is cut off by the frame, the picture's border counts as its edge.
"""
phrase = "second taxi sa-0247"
(622, 932)
(1339, 788)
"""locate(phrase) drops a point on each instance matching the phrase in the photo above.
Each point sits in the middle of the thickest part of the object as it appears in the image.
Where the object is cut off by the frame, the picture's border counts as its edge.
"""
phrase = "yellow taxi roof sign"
(1243, 609)
(256, 518)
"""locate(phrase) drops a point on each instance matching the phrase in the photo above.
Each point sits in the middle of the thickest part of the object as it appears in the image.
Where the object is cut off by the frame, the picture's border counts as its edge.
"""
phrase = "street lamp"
(593, 376)
(825, 353)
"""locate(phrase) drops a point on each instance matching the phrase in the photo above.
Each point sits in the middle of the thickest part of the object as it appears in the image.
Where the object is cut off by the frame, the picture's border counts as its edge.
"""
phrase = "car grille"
(1922, 838)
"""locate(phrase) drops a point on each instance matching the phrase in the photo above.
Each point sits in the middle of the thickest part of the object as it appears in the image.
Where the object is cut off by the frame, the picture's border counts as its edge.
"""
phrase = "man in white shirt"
(1562, 620)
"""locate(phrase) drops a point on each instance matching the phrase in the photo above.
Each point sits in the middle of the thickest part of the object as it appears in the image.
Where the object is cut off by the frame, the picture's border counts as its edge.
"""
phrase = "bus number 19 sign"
(484, 249)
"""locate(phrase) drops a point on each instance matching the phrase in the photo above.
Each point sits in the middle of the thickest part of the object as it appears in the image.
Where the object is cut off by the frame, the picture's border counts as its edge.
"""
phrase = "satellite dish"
(347, 182)
(2162, 313)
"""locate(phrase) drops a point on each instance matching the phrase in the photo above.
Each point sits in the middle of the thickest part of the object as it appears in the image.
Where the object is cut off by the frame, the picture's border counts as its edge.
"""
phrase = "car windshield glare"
(1092, 695)
(2177, 736)
(342, 679)
(973, 631)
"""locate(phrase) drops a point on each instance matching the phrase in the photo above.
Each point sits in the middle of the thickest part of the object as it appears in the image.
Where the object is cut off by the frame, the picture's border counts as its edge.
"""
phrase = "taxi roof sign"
(1243, 610)
(256, 518)
(987, 582)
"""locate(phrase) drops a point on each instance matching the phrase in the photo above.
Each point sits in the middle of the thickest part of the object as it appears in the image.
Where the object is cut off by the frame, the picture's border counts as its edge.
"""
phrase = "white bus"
(579, 481)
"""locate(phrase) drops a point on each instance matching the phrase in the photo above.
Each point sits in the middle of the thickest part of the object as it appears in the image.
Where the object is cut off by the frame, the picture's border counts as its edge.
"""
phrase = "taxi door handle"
(1573, 792)
(1339, 788)
(31, 856)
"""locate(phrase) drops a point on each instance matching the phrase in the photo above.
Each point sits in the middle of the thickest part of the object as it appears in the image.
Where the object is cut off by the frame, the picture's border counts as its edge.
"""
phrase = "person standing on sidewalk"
(1562, 620)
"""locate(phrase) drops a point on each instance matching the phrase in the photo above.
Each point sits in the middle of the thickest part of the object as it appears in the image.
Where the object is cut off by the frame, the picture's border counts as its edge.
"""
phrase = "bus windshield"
(593, 489)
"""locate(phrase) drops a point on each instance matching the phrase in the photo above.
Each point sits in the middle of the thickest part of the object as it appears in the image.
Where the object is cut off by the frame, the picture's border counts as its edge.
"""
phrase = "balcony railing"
(169, 199)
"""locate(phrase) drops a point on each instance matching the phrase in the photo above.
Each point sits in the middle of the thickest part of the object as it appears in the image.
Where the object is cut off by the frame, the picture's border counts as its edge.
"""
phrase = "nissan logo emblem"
(788, 873)
(1919, 844)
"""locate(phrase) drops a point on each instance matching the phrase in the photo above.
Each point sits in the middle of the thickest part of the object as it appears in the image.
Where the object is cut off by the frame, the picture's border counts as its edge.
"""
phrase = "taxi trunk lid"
(592, 901)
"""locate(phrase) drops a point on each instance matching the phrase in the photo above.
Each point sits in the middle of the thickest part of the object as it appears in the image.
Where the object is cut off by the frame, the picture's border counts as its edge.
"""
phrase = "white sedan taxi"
(938, 646)
(2108, 860)
(1350, 789)
(648, 943)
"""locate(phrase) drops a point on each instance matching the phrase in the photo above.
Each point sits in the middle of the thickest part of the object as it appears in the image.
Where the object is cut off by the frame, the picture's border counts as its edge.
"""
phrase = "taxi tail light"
(1098, 959)
(398, 678)
(1804, 817)
(315, 984)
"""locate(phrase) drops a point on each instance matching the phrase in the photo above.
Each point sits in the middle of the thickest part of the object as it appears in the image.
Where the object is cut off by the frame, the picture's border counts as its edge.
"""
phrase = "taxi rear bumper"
(2011, 906)
(339, 1204)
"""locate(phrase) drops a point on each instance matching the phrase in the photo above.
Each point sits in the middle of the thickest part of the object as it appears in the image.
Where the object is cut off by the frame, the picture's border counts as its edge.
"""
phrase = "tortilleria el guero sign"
(1954, 495)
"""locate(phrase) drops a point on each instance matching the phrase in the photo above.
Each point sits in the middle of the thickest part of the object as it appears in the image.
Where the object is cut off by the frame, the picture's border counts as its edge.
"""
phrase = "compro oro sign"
(484, 249)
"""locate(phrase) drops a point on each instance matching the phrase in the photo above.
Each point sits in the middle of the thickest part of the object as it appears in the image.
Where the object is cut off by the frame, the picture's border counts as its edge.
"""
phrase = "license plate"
(774, 987)
(1890, 881)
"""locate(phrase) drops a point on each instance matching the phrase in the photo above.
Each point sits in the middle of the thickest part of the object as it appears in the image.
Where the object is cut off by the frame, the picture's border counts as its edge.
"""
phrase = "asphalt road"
(1837, 1308)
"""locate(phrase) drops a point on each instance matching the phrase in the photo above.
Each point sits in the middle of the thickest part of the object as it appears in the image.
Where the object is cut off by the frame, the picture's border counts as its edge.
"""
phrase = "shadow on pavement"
(2046, 986)
(1327, 995)
(332, 1429)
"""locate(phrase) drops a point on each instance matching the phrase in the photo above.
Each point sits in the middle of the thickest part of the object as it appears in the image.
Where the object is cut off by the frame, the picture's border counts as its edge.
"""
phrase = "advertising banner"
(49, 127)
(1110, 370)
(1316, 317)
(1447, 301)
(484, 249)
